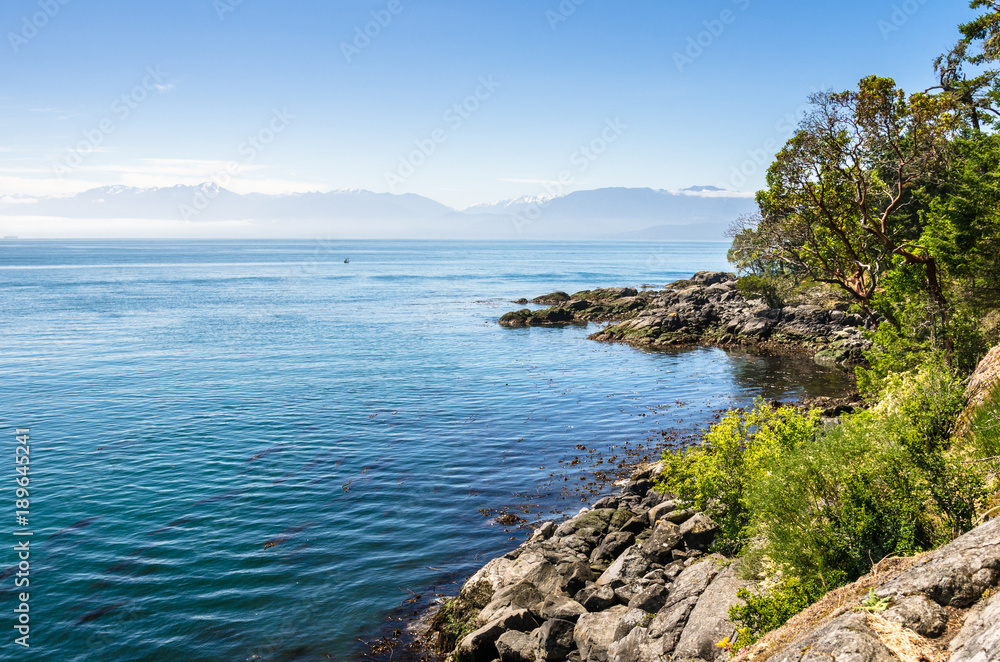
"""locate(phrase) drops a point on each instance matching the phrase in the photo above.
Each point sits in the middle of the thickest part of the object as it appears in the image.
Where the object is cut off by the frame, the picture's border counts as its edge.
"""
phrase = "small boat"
(347, 261)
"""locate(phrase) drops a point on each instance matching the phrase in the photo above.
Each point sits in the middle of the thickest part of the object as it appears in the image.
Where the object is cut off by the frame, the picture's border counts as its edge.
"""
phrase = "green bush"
(885, 481)
(716, 476)
(765, 610)
(816, 505)
(769, 288)
(891, 353)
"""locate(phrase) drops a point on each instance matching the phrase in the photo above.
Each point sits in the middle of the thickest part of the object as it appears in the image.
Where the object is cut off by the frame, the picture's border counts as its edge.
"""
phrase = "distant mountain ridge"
(607, 213)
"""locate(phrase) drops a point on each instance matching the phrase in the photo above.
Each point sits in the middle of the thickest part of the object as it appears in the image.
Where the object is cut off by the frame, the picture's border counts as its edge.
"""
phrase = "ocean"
(257, 450)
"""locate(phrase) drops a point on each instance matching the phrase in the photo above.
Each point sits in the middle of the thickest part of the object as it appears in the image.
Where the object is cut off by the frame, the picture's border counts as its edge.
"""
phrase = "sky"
(463, 102)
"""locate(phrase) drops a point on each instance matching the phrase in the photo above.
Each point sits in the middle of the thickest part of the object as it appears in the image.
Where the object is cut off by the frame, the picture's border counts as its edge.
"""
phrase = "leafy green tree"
(840, 205)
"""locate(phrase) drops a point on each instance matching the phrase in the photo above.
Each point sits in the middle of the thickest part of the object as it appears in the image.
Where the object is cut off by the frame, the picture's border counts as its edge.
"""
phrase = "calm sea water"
(253, 450)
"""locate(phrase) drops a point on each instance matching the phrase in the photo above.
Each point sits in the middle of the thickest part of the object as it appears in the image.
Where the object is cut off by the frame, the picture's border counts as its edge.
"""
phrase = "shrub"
(765, 610)
(716, 476)
(890, 353)
(883, 482)
(768, 288)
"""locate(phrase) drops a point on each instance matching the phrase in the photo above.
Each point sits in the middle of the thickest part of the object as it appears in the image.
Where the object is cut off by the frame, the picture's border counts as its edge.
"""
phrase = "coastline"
(697, 311)
(706, 309)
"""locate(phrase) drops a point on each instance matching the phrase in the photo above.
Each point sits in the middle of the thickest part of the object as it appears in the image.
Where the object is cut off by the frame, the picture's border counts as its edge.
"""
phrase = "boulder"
(480, 645)
(708, 623)
(516, 647)
(666, 536)
(699, 532)
(636, 524)
(632, 619)
(565, 579)
(612, 547)
(712, 277)
(636, 646)
(558, 606)
(554, 640)
(920, 614)
(661, 509)
(594, 633)
(955, 575)
(979, 639)
(621, 517)
(598, 519)
(522, 595)
(651, 599)
(627, 568)
(513, 618)
(678, 516)
(595, 598)
(846, 638)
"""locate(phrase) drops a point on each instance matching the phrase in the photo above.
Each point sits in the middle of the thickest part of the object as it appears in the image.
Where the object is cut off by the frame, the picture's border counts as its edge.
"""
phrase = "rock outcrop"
(707, 308)
(983, 387)
(630, 580)
(943, 606)
(626, 581)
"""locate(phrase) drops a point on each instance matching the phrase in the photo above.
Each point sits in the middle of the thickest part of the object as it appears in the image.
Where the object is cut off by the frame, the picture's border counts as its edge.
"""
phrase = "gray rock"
(565, 579)
(594, 633)
(955, 575)
(699, 532)
(480, 645)
(636, 646)
(582, 541)
(979, 639)
(558, 606)
(627, 568)
(847, 638)
(621, 517)
(666, 536)
(632, 619)
(612, 547)
(639, 487)
(708, 623)
(607, 502)
(554, 640)
(712, 277)
(920, 614)
(652, 499)
(626, 592)
(660, 510)
(516, 647)
(514, 618)
(522, 595)
(693, 581)
(668, 625)
(651, 599)
(678, 516)
(671, 570)
(636, 524)
(595, 598)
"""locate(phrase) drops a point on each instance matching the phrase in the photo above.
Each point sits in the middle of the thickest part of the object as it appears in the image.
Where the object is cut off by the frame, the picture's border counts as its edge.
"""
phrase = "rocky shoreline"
(632, 580)
(705, 309)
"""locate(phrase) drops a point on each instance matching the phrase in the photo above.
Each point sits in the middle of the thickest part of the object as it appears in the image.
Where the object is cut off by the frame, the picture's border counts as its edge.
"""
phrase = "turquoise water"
(253, 450)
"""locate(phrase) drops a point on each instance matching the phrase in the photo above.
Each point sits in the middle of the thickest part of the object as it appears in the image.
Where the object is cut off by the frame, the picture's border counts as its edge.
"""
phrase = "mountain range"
(696, 213)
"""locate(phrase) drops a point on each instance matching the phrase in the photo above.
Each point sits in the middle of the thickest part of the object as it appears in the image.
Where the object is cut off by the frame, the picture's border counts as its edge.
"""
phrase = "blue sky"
(289, 97)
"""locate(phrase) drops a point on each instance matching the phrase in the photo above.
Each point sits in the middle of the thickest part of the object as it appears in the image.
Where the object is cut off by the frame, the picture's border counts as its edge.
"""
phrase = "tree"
(839, 204)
